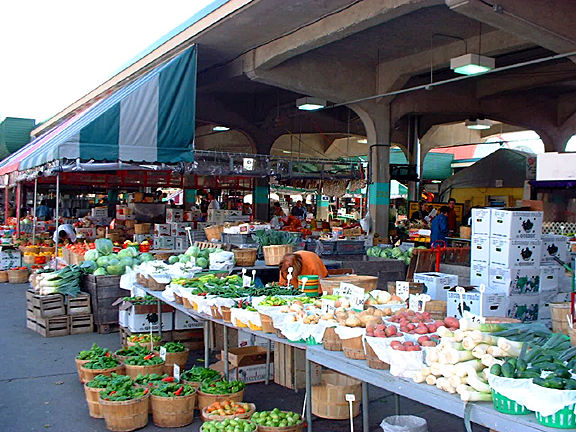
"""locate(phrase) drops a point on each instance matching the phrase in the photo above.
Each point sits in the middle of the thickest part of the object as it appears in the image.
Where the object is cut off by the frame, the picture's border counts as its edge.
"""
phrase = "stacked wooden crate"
(51, 316)
(104, 291)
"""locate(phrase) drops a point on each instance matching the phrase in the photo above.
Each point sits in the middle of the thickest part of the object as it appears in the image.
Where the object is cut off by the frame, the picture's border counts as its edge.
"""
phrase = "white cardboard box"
(554, 246)
(556, 166)
(10, 258)
(143, 322)
(493, 304)
(436, 284)
(163, 242)
(178, 228)
(185, 322)
(181, 243)
(480, 249)
(162, 229)
(174, 215)
(481, 221)
(506, 253)
(99, 212)
(515, 281)
(544, 307)
(550, 278)
(516, 224)
(139, 238)
(523, 307)
(479, 273)
(245, 339)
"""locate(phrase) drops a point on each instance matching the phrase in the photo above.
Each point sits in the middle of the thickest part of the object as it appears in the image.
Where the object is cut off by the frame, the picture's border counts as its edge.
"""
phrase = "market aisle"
(40, 391)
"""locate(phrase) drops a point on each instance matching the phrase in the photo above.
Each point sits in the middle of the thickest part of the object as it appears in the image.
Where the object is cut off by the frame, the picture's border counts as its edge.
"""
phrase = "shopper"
(452, 224)
(278, 211)
(439, 226)
(303, 263)
(65, 232)
(213, 202)
(43, 212)
(298, 210)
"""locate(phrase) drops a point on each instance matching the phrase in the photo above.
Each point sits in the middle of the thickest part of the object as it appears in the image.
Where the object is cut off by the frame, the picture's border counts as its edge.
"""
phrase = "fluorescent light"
(363, 141)
(480, 124)
(310, 103)
(472, 64)
(220, 129)
(286, 151)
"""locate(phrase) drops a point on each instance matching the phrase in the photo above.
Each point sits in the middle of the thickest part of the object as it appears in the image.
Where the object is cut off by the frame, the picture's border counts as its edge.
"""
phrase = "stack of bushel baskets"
(53, 315)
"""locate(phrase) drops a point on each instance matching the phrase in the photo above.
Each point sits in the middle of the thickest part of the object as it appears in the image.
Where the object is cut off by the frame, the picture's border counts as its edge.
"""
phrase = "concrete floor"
(40, 391)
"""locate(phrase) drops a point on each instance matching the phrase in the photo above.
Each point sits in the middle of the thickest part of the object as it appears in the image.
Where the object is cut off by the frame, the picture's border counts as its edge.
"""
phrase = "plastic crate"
(245, 240)
(563, 419)
(350, 247)
(327, 247)
(507, 406)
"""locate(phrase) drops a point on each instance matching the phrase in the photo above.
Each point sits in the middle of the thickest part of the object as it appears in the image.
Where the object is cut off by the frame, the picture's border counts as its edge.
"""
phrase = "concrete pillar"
(261, 199)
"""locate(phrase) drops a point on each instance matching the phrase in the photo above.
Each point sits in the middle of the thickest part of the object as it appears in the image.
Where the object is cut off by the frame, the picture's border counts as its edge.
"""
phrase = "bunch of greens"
(200, 374)
(146, 300)
(174, 347)
(94, 352)
(122, 390)
(102, 363)
(152, 380)
(173, 390)
(132, 351)
(100, 381)
(65, 281)
(222, 387)
(244, 304)
(144, 360)
(274, 237)
(143, 338)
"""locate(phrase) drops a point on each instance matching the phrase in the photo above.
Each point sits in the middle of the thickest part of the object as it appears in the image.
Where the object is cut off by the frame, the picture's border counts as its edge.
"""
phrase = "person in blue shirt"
(439, 226)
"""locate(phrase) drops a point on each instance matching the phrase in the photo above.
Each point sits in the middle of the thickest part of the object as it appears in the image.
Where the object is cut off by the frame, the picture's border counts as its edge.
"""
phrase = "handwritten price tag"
(328, 306)
(403, 290)
(163, 353)
(353, 293)
(176, 372)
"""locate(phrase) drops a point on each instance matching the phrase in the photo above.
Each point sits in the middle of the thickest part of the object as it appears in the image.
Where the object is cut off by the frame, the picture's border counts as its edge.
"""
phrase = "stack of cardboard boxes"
(172, 235)
(514, 261)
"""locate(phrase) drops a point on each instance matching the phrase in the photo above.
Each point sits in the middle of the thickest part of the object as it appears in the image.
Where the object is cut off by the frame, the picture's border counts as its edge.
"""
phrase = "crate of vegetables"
(228, 409)
(229, 425)
(278, 421)
(215, 391)
(144, 364)
(173, 404)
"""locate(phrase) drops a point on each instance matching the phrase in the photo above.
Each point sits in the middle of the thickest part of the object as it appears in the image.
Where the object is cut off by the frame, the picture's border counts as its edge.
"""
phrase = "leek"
(453, 356)
(464, 388)
(455, 380)
(479, 385)
(431, 380)
(497, 352)
(444, 332)
(480, 350)
(512, 348)
(464, 368)
(473, 396)
(468, 343)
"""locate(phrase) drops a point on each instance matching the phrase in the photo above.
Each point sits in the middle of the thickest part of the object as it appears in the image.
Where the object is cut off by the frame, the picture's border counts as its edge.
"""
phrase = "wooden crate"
(107, 328)
(31, 323)
(191, 339)
(104, 291)
(289, 366)
(79, 305)
(45, 306)
(81, 324)
(53, 326)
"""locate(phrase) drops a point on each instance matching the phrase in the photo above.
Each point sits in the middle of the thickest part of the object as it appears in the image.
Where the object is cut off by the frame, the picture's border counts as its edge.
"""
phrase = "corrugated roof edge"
(179, 29)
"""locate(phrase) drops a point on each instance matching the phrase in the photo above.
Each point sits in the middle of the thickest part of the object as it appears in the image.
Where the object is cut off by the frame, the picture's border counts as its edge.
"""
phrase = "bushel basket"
(133, 370)
(175, 411)
(93, 401)
(245, 257)
(206, 399)
(127, 415)
(354, 348)
(88, 374)
(273, 254)
(215, 417)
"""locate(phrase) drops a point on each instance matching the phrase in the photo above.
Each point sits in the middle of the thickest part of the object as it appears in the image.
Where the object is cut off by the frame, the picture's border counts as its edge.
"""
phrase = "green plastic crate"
(311, 341)
(508, 406)
(563, 419)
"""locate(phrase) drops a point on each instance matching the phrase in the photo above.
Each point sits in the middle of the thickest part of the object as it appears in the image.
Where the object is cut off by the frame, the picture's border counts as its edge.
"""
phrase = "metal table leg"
(397, 403)
(226, 364)
(160, 319)
(309, 395)
(365, 403)
(268, 349)
(206, 343)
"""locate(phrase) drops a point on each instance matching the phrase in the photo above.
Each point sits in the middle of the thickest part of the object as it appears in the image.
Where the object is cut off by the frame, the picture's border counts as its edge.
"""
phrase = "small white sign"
(246, 281)
(248, 164)
(353, 293)
(403, 290)
(163, 353)
(328, 306)
(176, 372)
(350, 397)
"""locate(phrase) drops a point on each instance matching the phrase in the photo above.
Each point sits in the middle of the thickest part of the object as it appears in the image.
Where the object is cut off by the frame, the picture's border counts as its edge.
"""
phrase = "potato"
(379, 313)
(353, 322)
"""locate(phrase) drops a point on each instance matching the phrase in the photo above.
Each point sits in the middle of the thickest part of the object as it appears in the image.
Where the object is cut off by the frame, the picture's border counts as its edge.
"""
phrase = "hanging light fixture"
(363, 141)
(220, 129)
(472, 64)
(479, 124)
(310, 103)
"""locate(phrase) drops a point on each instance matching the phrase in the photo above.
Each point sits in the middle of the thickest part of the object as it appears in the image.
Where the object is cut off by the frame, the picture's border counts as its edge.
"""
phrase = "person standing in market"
(452, 224)
(298, 210)
(65, 232)
(439, 226)
(213, 203)
(278, 211)
(303, 263)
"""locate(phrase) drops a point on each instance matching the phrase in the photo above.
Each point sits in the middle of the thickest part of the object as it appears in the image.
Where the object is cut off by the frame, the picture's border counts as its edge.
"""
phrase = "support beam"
(261, 199)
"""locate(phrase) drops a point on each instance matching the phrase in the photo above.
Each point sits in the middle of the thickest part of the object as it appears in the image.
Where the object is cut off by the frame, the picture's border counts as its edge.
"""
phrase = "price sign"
(328, 306)
(163, 353)
(403, 290)
(353, 293)
(176, 372)
(246, 281)
(248, 164)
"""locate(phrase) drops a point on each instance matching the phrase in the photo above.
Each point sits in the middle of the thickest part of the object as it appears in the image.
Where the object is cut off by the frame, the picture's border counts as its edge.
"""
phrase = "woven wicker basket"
(354, 348)
(17, 276)
(267, 325)
(372, 359)
(331, 341)
(245, 257)
(273, 254)
(215, 311)
(211, 417)
(226, 313)
(3, 276)
(559, 312)
(214, 232)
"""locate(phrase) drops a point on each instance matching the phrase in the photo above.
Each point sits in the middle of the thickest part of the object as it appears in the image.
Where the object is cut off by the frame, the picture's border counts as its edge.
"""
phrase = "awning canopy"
(149, 120)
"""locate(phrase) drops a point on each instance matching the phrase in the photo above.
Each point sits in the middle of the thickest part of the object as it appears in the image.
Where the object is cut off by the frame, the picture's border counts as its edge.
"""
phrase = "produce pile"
(392, 253)
(102, 260)
(195, 255)
(65, 281)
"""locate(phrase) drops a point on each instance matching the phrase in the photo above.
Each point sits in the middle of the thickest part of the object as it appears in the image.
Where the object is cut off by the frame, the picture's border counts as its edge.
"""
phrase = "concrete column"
(261, 199)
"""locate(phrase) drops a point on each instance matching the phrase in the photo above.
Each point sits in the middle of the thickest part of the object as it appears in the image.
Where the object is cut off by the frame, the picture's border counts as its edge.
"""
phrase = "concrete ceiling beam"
(348, 21)
(547, 23)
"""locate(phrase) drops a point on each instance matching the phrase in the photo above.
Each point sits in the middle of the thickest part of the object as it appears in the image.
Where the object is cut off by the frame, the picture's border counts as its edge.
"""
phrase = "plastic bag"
(405, 364)
(404, 423)
(221, 261)
(366, 222)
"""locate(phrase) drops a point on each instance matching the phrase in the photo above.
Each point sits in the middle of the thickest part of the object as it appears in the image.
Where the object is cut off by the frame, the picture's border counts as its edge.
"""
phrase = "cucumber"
(570, 384)
(512, 362)
(562, 373)
(555, 383)
(508, 370)
(521, 365)
(530, 373)
(496, 369)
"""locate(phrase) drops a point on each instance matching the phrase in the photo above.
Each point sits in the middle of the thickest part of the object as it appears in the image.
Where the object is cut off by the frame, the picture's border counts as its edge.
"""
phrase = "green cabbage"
(129, 252)
(103, 261)
(104, 246)
(146, 257)
(193, 251)
(113, 261)
(173, 259)
(116, 270)
(202, 262)
(89, 266)
(91, 255)
(100, 272)
(127, 261)
(184, 258)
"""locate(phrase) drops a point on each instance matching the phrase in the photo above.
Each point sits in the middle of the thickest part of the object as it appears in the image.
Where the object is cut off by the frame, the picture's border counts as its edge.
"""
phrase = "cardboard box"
(139, 238)
(290, 367)
(178, 228)
(247, 364)
(249, 374)
(10, 258)
(185, 322)
(192, 215)
(480, 249)
(523, 307)
(181, 243)
(554, 246)
(544, 306)
(436, 284)
(246, 339)
(143, 322)
(162, 230)
(126, 217)
(550, 278)
(556, 166)
(493, 304)
(479, 274)
(516, 224)
(506, 253)
(515, 281)
(99, 212)
(174, 215)
(88, 233)
(481, 221)
(163, 242)
(249, 228)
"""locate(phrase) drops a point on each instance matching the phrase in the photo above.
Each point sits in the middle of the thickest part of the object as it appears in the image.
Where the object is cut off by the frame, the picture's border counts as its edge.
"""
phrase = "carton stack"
(172, 235)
